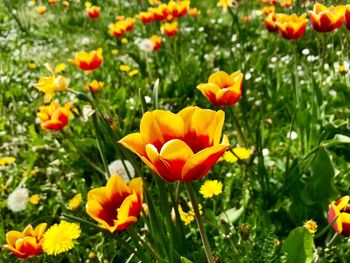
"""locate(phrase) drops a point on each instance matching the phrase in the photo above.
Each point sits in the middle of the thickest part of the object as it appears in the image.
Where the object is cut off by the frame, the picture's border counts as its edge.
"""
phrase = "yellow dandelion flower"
(188, 217)
(311, 226)
(60, 237)
(225, 4)
(34, 199)
(210, 188)
(7, 160)
(115, 52)
(124, 40)
(4, 187)
(75, 202)
(124, 68)
(133, 72)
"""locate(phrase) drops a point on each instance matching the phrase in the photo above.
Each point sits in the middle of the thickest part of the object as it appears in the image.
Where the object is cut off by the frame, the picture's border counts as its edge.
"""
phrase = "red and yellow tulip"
(146, 17)
(291, 27)
(54, 116)
(341, 210)
(26, 244)
(270, 23)
(88, 61)
(117, 205)
(157, 42)
(347, 17)
(93, 11)
(326, 19)
(222, 89)
(170, 29)
(117, 29)
(179, 147)
(94, 86)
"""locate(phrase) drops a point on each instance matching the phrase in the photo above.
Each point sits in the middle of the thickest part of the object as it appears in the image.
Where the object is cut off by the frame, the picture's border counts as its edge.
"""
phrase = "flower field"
(174, 131)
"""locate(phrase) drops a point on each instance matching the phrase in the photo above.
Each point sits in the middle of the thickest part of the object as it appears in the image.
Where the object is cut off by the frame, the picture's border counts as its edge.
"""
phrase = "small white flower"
(87, 112)
(305, 52)
(18, 199)
(117, 167)
(146, 45)
(248, 76)
(148, 99)
(292, 135)
(332, 93)
(265, 152)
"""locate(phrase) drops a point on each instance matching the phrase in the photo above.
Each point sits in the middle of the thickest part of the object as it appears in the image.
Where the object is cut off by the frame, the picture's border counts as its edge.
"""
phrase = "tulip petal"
(12, 236)
(116, 190)
(134, 143)
(345, 219)
(136, 186)
(334, 212)
(221, 78)
(209, 91)
(200, 163)
(158, 127)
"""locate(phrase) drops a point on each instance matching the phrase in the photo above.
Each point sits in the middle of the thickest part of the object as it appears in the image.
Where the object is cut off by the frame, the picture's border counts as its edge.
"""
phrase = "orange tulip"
(291, 26)
(93, 12)
(179, 147)
(88, 61)
(270, 23)
(287, 3)
(53, 116)
(222, 89)
(157, 42)
(146, 17)
(326, 19)
(193, 12)
(26, 244)
(347, 17)
(268, 10)
(170, 29)
(94, 86)
(117, 205)
(341, 210)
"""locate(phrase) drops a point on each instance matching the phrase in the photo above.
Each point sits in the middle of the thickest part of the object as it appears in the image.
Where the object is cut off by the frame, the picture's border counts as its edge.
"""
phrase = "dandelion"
(75, 202)
(34, 199)
(26, 244)
(133, 73)
(189, 216)
(124, 40)
(117, 167)
(41, 10)
(210, 188)
(146, 45)
(60, 237)
(7, 160)
(225, 4)
(18, 199)
(310, 226)
(124, 68)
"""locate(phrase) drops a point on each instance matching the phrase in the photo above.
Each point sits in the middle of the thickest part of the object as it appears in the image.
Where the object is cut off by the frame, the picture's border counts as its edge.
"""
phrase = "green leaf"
(319, 187)
(185, 260)
(231, 215)
(298, 246)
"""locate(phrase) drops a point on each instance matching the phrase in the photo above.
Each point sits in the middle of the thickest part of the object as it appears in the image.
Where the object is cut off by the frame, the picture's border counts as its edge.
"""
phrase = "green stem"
(238, 128)
(200, 223)
(138, 239)
(78, 219)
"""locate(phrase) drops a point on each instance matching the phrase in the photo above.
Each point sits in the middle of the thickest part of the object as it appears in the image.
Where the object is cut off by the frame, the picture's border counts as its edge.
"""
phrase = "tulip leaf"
(298, 247)
(231, 215)
(185, 260)
(319, 187)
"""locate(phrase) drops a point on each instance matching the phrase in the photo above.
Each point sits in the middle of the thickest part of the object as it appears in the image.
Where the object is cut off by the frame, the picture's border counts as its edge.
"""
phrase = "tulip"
(170, 29)
(117, 205)
(222, 89)
(326, 19)
(161, 12)
(53, 116)
(341, 210)
(129, 23)
(93, 12)
(117, 29)
(26, 244)
(94, 86)
(179, 147)
(156, 41)
(347, 17)
(146, 17)
(291, 27)
(268, 10)
(88, 61)
(178, 9)
(270, 23)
